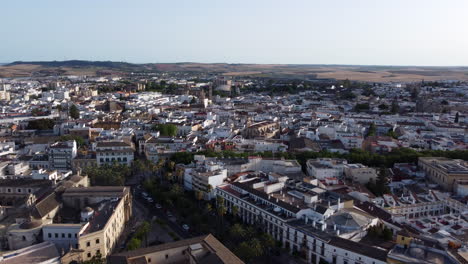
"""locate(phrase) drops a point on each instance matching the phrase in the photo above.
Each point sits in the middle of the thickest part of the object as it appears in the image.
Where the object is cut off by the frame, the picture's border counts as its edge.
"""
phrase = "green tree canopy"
(41, 124)
(166, 130)
(79, 140)
(74, 112)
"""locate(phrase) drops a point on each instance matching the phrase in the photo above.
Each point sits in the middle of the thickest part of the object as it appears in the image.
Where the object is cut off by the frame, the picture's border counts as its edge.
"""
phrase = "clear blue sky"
(376, 32)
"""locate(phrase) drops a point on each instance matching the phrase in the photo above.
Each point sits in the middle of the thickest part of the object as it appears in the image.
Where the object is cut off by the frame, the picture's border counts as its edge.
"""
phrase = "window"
(56, 235)
(49, 235)
(167, 256)
(98, 252)
(88, 244)
(24, 238)
(149, 260)
(69, 235)
(97, 241)
(19, 190)
(89, 254)
(9, 190)
(63, 235)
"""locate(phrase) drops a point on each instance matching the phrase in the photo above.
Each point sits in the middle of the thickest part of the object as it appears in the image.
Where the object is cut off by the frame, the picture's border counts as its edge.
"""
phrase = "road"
(152, 212)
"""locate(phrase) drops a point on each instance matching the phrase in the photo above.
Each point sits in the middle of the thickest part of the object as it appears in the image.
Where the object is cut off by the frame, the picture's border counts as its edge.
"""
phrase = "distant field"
(359, 73)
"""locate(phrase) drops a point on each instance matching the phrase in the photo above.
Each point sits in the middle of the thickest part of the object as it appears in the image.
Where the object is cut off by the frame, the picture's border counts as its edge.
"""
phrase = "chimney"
(313, 223)
(334, 227)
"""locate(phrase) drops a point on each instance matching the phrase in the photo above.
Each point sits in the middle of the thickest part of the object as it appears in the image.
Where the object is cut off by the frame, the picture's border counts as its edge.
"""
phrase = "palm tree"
(237, 231)
(168, 176)
(235, 211)
(209, 189)
(199, 197)
(221, 212)
(256, 246)
(208, 208)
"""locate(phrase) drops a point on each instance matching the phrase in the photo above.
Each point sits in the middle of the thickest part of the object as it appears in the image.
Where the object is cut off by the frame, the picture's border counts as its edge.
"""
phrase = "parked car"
(169, 214)
(185, 227)
(158, 206)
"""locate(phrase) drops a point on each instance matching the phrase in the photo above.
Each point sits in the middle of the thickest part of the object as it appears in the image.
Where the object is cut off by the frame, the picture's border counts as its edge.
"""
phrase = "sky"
(365, 32)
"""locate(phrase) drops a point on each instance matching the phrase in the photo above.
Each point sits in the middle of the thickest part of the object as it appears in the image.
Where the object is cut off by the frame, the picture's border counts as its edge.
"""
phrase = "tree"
(244, 251)
(134, 243)
(79, 140)
(208, 208)
(199, 196)
(96, 259)
(108, 175)
(237, 231)
(256, 246)
(182, 157)
(41, 124)
(166, 130)
(379, 187)
(73, 111)
(235, 211)
(392, 134)
(383, 107)
(395, 107)
(387, 234)
(372, 130)
(362, 107)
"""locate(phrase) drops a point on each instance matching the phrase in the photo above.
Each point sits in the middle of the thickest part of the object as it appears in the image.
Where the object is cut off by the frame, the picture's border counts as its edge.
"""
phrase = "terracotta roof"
(218, 250)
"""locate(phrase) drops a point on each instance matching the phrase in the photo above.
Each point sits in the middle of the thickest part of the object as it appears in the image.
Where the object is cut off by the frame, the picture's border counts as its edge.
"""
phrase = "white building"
(326, 168)
(61, 155)
(110, 152)
(205, 176)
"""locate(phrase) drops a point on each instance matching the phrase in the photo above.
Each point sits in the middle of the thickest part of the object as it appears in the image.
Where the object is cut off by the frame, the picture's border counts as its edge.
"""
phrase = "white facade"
(114, 152)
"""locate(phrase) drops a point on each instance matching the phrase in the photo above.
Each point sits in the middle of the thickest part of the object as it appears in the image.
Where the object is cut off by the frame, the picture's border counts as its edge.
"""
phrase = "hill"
(352, 72)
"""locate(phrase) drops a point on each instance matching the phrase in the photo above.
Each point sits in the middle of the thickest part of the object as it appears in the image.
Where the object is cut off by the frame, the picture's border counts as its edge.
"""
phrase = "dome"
(31, 224)
(417, 253)
(87, 209)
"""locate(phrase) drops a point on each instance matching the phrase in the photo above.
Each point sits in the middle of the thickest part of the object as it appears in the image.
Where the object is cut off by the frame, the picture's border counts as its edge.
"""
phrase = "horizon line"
(242, 63)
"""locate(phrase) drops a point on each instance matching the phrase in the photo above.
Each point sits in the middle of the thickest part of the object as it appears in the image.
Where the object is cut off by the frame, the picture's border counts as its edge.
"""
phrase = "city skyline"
(419, 33)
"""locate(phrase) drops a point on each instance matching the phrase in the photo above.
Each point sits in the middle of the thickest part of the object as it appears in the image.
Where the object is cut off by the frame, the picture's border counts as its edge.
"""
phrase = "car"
(149, 199)
(158, 206)
(185, 227)
(144, 194)
(169, 214)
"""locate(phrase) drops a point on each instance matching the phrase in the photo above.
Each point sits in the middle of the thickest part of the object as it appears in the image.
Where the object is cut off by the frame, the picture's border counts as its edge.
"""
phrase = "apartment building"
(326, 168)
(205, 175)
(360, 173)
(61, 155)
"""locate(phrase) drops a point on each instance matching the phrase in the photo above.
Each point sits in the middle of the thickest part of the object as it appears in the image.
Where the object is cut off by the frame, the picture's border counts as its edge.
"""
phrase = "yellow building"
(444, 171)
